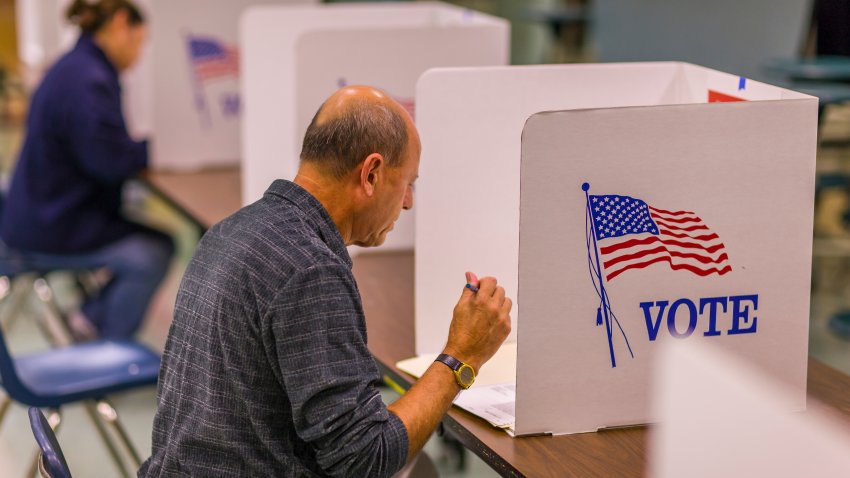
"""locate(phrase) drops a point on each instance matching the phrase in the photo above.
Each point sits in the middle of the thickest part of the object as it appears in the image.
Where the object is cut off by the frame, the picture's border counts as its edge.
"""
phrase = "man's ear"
(370, 171)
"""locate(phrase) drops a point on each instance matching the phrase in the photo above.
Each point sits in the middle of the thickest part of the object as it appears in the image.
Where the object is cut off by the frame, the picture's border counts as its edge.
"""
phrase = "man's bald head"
(353, 123)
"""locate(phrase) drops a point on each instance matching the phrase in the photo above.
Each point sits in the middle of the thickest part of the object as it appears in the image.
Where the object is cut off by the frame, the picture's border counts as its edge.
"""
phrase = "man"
(266, 370)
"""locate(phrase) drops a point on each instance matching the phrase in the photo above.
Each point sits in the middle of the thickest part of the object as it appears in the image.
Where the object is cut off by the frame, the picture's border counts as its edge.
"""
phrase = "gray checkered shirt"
(266, 370)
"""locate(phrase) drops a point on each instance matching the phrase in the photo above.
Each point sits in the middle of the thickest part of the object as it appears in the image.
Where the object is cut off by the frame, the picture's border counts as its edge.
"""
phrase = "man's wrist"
(465, 358)
(463, 373)
(449, 375)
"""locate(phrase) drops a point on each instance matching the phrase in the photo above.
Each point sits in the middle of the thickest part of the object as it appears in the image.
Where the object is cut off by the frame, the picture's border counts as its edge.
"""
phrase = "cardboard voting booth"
(295, 57)
(668, 202)
(195, 74)
(184, 90)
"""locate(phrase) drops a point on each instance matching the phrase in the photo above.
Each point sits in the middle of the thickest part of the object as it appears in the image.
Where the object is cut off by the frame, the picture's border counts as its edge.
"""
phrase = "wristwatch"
(464, 373)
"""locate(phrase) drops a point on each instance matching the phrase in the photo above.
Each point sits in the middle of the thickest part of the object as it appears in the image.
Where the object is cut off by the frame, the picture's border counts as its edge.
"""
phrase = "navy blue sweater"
(65, 195)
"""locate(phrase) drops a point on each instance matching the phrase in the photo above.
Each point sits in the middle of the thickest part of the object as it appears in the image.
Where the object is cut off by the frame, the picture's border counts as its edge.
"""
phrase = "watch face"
(466, 375)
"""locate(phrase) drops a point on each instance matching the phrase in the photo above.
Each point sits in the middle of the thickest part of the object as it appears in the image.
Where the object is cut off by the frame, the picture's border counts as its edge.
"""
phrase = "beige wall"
(8, 40)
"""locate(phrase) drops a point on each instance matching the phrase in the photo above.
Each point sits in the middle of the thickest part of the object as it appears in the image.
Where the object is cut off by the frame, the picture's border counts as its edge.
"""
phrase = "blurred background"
(794, 43)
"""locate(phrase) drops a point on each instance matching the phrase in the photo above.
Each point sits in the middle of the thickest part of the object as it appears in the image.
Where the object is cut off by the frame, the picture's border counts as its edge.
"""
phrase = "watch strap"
(452, 362)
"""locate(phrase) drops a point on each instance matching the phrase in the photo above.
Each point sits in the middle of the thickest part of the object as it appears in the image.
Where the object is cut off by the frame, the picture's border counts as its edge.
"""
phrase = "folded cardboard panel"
(736, 155)
(294, 58)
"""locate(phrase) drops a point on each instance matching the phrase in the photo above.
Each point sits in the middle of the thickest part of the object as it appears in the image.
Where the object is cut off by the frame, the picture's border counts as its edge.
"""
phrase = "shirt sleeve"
(99, 138)
(330, 376)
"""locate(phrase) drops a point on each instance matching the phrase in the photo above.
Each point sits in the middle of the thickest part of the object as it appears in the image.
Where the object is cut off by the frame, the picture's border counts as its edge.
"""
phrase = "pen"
(472, 287)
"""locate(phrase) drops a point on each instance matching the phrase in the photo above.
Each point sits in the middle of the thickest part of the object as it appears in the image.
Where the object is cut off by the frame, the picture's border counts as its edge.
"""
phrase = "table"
(385, 281)
(204, 197)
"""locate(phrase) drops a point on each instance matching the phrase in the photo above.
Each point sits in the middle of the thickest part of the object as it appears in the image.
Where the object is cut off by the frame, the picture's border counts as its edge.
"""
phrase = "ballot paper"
(494, 403)
(492, 396)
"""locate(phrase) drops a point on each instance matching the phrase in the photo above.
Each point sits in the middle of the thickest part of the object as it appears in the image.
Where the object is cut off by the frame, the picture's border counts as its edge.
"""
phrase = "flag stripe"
(704, 237)
(684, 255)
(652, 239)
(663, 211)
(700, 227)
(676, 220)
(674, 266)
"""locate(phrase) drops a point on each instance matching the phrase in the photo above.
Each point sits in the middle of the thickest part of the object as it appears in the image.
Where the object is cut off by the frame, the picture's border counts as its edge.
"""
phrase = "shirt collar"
(315, 212)
(86, 42)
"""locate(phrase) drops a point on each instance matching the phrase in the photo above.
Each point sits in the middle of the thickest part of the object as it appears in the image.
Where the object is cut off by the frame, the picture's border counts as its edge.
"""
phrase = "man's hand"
(480, 323)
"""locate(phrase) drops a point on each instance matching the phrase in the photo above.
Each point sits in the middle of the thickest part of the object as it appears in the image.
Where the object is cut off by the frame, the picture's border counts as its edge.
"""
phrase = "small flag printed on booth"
(212, 59)
(634, 235)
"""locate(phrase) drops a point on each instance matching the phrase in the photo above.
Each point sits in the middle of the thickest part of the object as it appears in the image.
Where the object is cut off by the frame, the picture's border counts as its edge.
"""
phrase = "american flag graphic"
(632, 235)
(212, 59)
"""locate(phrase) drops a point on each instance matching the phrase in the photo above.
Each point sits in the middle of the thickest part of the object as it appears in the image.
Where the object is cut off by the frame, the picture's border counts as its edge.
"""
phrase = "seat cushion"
(89, 370)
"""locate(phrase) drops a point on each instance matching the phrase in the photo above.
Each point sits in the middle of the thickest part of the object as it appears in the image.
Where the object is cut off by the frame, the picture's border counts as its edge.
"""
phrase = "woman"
(63, 208)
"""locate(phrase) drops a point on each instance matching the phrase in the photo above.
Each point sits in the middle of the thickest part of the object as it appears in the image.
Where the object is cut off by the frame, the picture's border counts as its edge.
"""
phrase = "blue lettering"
(741, 308)
(712, 303)
(652, 328)
(740, 314)
(230, 104)
(692, 319)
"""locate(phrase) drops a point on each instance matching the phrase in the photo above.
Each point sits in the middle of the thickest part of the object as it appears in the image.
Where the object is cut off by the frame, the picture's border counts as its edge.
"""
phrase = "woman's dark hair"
(91, 15)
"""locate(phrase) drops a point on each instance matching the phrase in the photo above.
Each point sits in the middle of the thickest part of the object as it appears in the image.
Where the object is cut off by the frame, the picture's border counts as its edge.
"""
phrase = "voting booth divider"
(184, 90)
(295, 57)
(623, 206)
(195, 68)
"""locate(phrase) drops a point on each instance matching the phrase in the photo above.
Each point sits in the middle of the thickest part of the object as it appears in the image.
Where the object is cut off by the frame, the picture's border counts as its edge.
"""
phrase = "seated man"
(266, 370)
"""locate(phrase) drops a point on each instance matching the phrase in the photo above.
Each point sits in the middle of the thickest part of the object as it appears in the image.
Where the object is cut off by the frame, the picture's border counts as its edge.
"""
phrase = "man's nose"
(408, 199)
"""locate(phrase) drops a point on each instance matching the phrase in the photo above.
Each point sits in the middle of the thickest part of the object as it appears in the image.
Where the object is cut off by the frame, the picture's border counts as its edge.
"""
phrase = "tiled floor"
(88, 457)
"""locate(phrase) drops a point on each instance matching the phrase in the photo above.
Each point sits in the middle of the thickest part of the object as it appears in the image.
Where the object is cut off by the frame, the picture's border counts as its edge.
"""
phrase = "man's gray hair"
(343, 141)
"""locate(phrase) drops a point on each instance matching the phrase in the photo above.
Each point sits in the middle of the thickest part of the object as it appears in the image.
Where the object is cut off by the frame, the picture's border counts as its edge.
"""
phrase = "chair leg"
(54, 419)
(45, 294)
(107, 411)
(15, 297)
(91, 408)
(4, 407)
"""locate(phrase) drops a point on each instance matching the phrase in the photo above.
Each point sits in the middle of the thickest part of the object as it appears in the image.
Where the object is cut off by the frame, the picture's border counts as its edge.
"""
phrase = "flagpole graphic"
(604, 309)
(197, 89)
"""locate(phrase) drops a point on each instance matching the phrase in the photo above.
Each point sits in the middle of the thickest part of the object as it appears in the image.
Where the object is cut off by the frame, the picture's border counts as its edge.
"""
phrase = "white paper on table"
(494, 403)
(498, 370)
(492, 396)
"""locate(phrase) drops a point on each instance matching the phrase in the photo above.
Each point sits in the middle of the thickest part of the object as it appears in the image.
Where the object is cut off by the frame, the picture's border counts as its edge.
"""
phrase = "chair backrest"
(729, 35)
(52, 460)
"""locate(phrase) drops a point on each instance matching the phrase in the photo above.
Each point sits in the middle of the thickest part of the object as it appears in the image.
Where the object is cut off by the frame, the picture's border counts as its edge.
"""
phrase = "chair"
(19, 278)
(84, 373)
(16, 289)
(51, 461)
